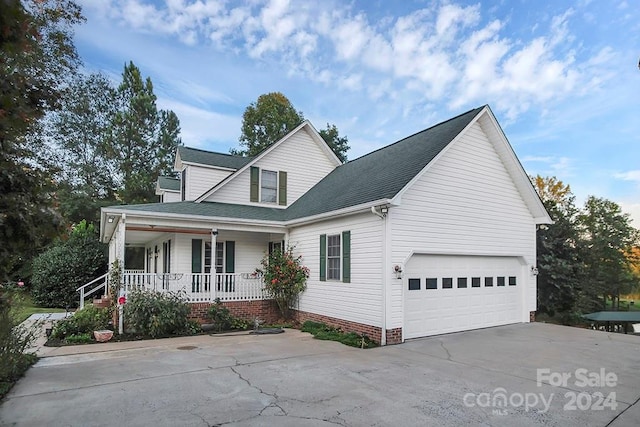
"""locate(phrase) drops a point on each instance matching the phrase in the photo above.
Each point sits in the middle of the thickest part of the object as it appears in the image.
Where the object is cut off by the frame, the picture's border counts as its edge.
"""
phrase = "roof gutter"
(339, 213)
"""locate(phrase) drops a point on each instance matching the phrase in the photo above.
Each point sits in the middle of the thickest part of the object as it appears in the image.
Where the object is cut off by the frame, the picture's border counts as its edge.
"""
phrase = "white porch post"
(121, 240)
(212, 272)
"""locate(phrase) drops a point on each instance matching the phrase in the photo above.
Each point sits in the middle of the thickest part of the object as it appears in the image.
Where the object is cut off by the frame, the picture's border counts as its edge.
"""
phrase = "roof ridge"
(214, 152)
(414, 134)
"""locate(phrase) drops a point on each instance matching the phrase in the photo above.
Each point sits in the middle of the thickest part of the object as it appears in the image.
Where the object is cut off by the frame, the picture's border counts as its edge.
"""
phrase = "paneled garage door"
(444, 293)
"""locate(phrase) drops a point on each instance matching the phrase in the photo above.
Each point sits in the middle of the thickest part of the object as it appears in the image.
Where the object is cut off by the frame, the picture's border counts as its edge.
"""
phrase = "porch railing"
(102, 283)
(199, 287)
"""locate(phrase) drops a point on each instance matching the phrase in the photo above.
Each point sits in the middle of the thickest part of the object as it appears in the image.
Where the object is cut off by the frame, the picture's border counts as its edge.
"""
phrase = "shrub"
(223, 320)
(84, 321)
(157, 314)
(323, 332)
(14, 340)
(284, 278)
(80, 338)
(67, 265)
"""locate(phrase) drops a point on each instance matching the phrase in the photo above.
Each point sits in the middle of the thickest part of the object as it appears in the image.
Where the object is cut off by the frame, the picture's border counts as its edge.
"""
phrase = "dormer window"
(268, 186)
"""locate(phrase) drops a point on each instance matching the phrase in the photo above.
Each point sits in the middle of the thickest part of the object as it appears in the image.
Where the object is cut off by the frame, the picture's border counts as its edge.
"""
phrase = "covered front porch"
(205, 259)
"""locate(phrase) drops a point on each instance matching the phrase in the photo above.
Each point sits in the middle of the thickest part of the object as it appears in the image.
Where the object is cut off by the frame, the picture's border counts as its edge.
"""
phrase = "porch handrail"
(84, 294)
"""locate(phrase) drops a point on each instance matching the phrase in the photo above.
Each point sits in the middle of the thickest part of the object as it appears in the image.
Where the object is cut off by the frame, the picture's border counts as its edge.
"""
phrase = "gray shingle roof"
(380, 174)
(210, 209)
(374, 176)
(168, 183)
(194, 155)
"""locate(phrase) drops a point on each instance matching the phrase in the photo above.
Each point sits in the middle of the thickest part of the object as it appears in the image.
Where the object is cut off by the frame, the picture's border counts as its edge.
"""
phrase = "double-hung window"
(269, 186)
(333, 257)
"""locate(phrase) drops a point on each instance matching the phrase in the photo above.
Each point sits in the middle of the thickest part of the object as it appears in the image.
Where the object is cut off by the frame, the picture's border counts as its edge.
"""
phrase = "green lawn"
(23, 307)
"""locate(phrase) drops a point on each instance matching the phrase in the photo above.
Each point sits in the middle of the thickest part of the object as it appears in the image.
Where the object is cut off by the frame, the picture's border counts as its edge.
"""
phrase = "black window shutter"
(282, 188)
(196, 256)
(323, 257)
(255, 184)
(230, 255)
(346, 256)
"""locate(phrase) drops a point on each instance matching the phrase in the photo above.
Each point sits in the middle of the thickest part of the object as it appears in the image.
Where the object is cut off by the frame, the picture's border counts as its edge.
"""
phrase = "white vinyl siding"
(466, 204)
(300, 156)
(361, 299)
(170, 196)
(200, 180)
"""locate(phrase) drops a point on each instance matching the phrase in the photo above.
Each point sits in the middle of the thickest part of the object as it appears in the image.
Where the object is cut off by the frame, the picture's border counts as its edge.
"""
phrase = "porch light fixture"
(534, 270)
(110, 220)
(384, 210)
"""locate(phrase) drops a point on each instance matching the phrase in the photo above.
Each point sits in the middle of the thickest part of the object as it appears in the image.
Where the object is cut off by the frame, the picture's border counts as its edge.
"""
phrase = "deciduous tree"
(270, 118)
(36, 57)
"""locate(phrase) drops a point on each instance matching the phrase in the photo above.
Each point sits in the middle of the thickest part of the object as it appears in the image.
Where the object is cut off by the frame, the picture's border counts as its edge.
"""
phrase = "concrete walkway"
(292, 379)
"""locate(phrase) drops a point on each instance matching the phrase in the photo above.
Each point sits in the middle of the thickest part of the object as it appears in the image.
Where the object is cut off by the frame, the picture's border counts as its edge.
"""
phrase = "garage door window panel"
(512, 280)
(447, 283)
(488, 282)
(501, 281)
(475, 282)
(431, 283)
(414, 284)
(462, 282)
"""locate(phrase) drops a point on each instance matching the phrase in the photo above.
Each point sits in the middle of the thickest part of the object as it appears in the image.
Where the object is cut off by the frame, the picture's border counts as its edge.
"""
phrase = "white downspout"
(385, 279)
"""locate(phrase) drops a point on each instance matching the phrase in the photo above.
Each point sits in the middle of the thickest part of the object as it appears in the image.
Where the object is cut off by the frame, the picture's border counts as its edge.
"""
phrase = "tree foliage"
(339, 145)
(79, 130)
(142, 140)
(608, 238)
(36, 57)
(265, 121)
(67, 265)
(270, 118)
(584, 257)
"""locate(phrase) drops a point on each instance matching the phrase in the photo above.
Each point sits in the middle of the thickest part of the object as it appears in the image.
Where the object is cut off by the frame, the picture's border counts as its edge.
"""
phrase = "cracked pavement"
(292, 379)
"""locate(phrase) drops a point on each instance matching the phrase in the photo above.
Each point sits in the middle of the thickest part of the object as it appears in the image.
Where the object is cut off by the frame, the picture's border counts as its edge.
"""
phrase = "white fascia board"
(364, 207)
(203, 165)
(314, 135)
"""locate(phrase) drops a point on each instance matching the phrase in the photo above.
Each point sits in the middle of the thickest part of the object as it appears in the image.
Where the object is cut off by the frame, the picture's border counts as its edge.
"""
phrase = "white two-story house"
(432, 234)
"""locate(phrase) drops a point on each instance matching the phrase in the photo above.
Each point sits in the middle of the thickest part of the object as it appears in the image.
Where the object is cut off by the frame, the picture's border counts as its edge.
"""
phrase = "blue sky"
(562, 77)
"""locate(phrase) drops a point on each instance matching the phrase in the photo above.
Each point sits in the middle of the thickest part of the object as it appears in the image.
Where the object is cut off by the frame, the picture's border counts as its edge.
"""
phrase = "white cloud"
(446, 49)
(633, 175)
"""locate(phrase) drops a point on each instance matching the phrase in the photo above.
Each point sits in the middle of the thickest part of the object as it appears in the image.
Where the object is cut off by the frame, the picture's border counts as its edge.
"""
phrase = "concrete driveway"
(498, 376)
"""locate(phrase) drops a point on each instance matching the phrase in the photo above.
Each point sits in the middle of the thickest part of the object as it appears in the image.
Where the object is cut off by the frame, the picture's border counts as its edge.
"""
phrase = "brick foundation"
(532, 316)
(394, 336)
(373, 332)
(264, 310)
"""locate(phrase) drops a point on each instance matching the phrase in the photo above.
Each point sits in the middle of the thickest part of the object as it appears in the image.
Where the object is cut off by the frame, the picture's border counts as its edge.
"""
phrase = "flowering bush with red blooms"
(284, 278)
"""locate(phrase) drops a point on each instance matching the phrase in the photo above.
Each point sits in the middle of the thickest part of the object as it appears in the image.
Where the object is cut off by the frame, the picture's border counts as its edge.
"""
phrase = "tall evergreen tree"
(559, 257)
(142, 140)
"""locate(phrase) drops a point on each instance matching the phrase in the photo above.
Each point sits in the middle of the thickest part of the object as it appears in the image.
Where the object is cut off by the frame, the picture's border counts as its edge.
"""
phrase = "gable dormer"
(200, 170)
(279, 175)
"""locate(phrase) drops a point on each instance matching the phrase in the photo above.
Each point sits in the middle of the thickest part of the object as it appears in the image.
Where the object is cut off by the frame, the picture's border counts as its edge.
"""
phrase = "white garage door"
(444, 293)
